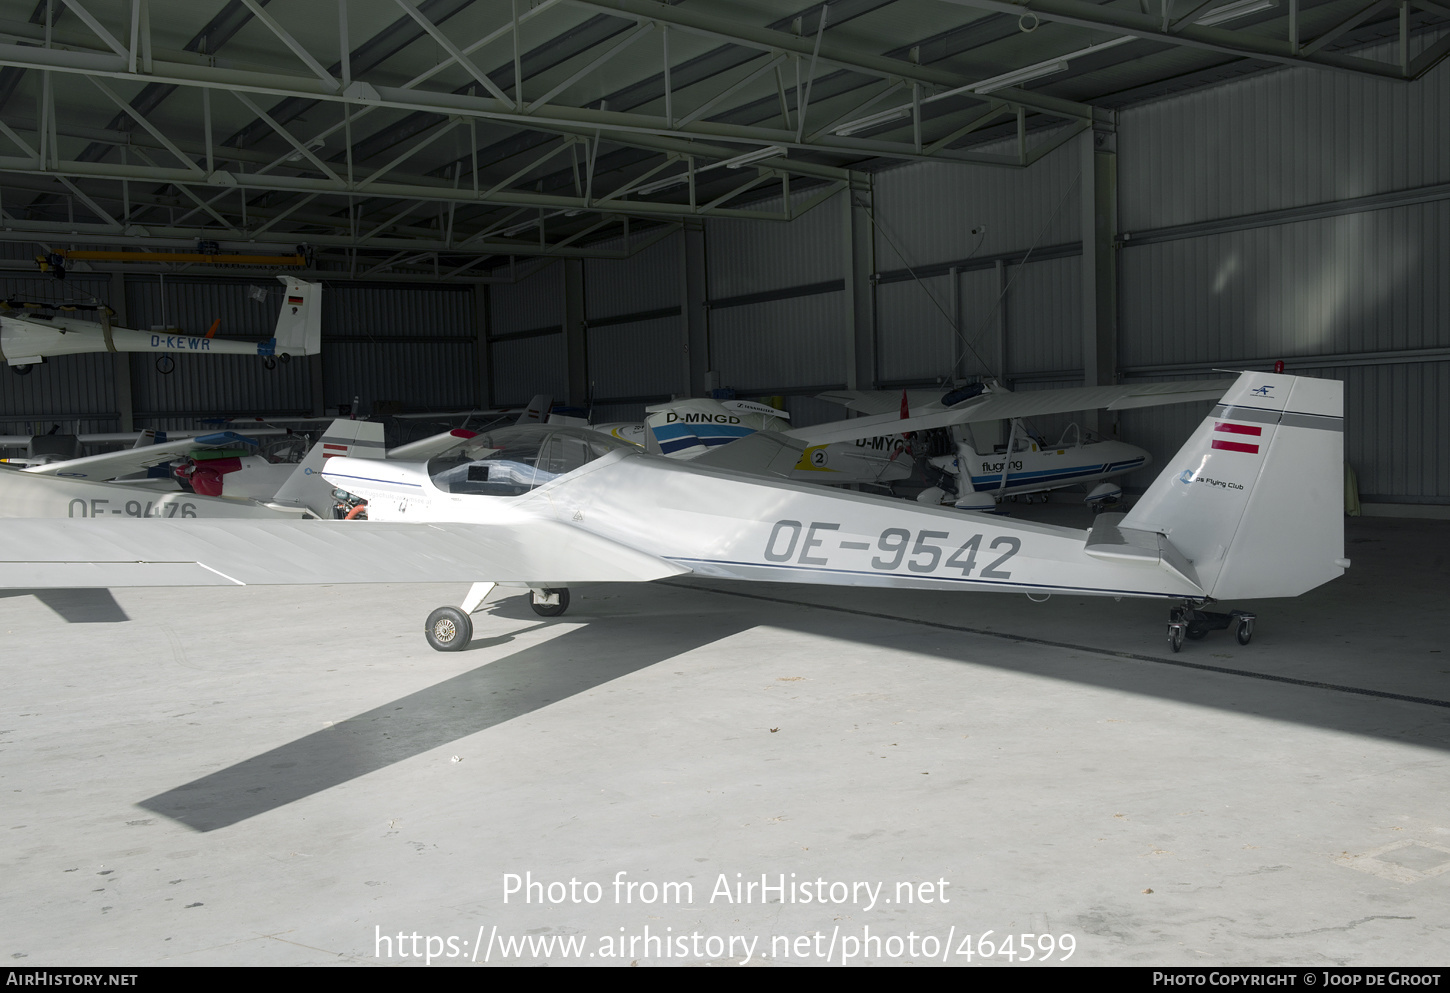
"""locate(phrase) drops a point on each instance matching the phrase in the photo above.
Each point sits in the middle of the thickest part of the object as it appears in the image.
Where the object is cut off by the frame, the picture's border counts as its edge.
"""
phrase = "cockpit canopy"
(513, 460)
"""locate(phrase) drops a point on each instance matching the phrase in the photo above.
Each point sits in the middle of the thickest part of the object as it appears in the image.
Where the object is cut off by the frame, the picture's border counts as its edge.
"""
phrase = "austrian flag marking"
(328, 451)
(1236, 446)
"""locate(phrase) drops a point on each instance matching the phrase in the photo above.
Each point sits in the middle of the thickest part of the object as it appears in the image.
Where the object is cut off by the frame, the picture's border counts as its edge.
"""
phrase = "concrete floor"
(280, 776)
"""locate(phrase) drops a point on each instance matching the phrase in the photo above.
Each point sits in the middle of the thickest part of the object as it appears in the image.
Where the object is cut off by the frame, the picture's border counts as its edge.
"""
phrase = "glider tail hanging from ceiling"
(299, 322)
(1255, 497)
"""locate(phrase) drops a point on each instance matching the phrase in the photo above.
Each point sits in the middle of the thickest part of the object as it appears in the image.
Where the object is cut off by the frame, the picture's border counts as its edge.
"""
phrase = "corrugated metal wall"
(409, 345)
(77, 392)
(1335, 289)
(525, 367)
(926, 211)
(647, 281)
(778, 345)
(635, 323)
(748, 257)
(522, 367)
(1281, 139)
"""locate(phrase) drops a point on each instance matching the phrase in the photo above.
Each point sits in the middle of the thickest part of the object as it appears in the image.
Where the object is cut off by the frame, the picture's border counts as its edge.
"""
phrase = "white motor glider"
(29, 335)
(1250, 507)
(210, 476)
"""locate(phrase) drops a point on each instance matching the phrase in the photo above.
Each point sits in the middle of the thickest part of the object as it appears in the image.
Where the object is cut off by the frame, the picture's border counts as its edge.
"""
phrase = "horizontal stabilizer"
(1110, 541)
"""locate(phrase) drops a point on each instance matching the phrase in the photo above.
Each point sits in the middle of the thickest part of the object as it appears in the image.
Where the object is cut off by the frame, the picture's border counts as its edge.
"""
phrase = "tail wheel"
(1245, 631)
(551, 609)
(1175, 637)
(448, 630)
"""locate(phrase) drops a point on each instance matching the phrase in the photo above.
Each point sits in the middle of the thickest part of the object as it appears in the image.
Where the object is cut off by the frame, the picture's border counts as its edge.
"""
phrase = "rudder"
(299, 323)
(1255, 497)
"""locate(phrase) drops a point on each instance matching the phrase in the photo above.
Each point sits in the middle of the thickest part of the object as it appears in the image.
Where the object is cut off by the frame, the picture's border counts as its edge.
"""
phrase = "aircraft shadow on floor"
(607, 647)
(78, 606)
(603, 649)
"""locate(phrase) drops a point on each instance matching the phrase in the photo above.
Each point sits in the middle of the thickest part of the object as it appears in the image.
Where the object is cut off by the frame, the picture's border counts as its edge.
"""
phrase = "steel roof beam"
(832, 53)
(97, 234)
(1149, 27)
(642, 130)
(399, 191)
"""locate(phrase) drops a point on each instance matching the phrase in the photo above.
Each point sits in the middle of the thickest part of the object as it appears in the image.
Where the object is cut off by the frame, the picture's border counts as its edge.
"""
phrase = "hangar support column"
(483, 385)
(860, 285)
(1099, 195)
(695, 305)
(576, 332)
(121, 361)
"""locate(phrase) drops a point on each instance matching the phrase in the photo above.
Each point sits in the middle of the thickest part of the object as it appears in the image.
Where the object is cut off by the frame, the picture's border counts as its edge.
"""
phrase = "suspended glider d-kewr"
(30, 334)
(1250, 507)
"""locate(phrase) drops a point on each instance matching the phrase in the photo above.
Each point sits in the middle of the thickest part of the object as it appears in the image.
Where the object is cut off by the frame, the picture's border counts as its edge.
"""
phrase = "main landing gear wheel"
(551, 609)
(448, 630)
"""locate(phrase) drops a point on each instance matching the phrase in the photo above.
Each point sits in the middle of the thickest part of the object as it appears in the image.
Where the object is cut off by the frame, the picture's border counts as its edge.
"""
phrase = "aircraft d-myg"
(1250, 507)
(28, 336)
(975, 476)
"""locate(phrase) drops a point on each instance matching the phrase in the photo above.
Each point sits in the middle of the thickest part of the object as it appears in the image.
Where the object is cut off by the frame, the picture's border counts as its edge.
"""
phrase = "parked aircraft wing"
(764, 453)
(106, 553)
(432, 446)
(881, 401)
(110, 465)
(1003, 406)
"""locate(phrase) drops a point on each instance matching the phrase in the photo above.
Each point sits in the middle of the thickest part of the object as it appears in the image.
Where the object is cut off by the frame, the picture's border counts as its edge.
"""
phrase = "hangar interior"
(619, 202)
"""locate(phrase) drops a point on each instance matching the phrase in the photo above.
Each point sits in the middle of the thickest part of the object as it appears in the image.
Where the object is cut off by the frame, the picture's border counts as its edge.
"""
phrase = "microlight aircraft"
(1250, 507)
(974, 475)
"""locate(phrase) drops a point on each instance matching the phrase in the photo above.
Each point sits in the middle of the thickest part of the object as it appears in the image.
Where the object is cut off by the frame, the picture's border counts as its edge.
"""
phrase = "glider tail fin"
(537, 412)
(299, 324)
(687, 428)
(1255, 498)
(306, 487)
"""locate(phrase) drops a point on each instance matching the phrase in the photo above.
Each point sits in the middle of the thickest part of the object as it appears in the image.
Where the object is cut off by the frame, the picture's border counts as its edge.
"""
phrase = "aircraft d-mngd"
(1250, 507)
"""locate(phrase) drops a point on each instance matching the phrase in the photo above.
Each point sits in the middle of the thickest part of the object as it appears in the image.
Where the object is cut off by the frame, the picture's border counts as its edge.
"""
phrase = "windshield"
(511, 461)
